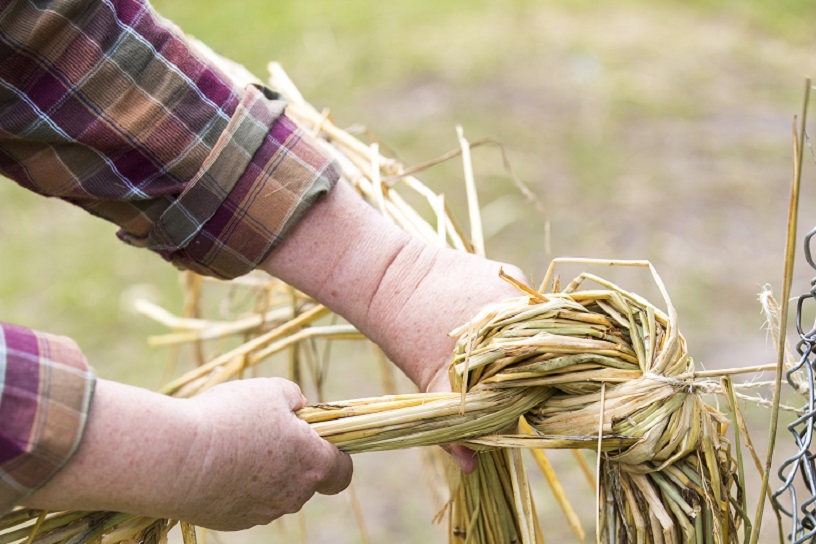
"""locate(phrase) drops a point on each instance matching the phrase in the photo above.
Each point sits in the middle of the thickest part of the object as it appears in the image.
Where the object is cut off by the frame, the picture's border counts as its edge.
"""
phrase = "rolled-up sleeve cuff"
(46, 387)
(259, 179)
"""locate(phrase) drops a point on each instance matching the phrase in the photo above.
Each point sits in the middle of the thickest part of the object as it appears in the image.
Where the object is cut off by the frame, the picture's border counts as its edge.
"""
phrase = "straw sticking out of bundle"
(667, 474)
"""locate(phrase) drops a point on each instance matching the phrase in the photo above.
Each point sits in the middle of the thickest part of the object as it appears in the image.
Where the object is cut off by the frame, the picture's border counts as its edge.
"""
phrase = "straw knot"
(610, 356)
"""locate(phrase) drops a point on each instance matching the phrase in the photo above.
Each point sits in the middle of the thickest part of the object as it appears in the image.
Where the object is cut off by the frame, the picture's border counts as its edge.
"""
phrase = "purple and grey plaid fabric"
(103, 104)
(45, 392)
(105, 107)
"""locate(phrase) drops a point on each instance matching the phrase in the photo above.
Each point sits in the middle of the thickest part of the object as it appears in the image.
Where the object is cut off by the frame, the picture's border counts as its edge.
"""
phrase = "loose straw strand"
(477, 234)
(790, 253)
(598, 466)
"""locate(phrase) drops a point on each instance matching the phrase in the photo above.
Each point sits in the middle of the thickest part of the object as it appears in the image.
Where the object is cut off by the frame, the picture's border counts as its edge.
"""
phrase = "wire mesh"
(800, 466)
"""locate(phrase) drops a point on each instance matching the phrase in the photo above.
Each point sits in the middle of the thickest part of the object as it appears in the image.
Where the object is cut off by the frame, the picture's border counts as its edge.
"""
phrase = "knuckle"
(293, 394)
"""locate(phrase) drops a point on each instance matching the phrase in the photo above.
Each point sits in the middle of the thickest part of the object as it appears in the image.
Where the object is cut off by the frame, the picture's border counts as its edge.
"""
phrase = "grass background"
(650, 130)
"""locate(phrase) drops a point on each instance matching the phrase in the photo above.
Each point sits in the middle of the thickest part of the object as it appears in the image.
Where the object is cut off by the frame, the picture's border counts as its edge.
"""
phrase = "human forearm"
(346, 256)
(234, 457)
(401, 292)
(337, 253)
(135, 446)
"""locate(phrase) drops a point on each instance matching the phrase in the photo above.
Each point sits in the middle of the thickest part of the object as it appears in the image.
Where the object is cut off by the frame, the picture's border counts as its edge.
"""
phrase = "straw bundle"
(561, 361)
(599, 369)
(612, 359)
(596, 369)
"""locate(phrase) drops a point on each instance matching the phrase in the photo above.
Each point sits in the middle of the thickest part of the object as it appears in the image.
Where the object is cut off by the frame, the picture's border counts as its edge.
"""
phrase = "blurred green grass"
(655, 130)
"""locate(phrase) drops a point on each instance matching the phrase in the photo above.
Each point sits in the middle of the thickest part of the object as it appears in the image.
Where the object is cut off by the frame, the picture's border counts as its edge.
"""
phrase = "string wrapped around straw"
(666, 471)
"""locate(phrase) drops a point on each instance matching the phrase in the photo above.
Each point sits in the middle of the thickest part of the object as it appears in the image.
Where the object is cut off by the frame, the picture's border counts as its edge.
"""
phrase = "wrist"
(135, 445)
(427, 293)
(402, 322)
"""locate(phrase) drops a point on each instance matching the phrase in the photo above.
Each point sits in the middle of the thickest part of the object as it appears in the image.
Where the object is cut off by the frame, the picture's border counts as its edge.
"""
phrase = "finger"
(338, 470)
(465, 457)
(462, 456)
(294, 396)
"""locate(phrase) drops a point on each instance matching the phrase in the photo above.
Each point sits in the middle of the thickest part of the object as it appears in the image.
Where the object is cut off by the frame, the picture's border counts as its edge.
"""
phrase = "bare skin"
(203, 460)
(402, 293)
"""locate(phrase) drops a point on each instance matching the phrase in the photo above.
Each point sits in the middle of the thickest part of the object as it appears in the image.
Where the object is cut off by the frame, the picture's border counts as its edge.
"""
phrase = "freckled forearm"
(339, 254)
(135, 445)
(403, 293)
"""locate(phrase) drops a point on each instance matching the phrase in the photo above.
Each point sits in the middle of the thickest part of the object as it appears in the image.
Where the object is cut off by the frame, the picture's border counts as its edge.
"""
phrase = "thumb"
(334, 465)
(464, 457)
(338, 470)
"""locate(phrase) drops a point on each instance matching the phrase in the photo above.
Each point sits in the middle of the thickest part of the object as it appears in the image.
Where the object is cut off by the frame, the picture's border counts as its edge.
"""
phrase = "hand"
(229, 459)
(402, 293)
(254, 459)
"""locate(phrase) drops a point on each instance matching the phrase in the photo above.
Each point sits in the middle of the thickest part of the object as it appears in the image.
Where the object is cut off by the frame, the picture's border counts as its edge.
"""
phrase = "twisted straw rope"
(537, 372)
(667, 473)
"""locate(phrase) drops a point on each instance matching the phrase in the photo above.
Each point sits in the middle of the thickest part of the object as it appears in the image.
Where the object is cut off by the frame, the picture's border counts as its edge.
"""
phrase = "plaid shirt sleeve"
(45, 393)
(104, 105)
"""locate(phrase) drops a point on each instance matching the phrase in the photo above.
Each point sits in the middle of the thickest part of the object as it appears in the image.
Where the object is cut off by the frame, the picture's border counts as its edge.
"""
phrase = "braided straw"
(537, 371)
(558, 361)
